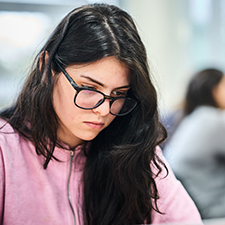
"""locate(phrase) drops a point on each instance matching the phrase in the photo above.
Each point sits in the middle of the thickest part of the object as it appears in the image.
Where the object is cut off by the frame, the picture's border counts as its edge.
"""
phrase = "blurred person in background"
(196, 151)
(79, 146)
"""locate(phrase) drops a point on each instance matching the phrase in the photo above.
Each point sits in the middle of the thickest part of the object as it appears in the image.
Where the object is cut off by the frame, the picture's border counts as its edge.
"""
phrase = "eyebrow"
(102, 85)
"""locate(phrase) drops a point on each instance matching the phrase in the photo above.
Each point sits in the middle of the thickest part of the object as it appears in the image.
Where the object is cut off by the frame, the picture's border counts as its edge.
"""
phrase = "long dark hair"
(200, 89)
(119, 186)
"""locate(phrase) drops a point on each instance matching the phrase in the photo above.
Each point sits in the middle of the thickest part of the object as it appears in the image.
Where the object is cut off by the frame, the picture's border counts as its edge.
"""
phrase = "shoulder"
(174, 202)
(5, 126)
(12, 144)
(7, 134)
(208, 119)
(203, 121)
(208, 113)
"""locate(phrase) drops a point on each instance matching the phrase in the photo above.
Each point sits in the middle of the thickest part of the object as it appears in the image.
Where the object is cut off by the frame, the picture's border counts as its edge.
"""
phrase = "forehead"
(108, 70)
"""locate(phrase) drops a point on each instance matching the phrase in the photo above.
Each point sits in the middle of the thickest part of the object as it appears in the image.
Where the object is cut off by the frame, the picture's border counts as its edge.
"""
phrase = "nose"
(103, 109)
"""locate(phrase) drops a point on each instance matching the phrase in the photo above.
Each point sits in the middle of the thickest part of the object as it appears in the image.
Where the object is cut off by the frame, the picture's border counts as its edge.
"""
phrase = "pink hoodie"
(32, 195)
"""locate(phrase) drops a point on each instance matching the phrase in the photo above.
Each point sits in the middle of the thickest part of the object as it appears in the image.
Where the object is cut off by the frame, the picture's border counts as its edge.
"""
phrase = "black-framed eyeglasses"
(87, 98)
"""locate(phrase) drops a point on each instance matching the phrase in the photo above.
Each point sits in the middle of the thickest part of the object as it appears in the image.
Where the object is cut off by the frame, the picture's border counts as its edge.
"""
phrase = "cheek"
(62, 99)
(110, 119)
(220, 97)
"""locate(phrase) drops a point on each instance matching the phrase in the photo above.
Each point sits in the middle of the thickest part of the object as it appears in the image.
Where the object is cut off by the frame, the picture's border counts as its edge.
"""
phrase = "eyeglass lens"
(88, 99)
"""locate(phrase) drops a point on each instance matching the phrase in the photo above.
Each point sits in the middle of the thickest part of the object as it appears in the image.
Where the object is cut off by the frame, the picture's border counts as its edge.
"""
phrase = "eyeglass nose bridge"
(112, 99)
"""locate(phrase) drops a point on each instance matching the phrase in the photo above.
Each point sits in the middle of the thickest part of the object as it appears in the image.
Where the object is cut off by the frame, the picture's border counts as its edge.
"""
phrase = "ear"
(43, 58)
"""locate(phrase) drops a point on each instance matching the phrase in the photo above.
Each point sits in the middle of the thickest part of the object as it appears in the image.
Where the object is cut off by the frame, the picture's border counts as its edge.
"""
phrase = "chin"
(90, 138)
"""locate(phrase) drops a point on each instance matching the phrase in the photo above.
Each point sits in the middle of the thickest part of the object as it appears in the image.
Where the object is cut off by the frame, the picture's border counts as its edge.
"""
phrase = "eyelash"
(115, 93)
(89, 87)
(120, 93)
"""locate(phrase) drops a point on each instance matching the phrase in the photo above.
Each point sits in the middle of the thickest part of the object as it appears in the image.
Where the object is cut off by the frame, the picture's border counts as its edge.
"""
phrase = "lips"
(95, 125)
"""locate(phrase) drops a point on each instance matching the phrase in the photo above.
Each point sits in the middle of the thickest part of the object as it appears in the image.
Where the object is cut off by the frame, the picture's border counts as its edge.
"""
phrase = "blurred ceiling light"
(201, 11)
(20, 29)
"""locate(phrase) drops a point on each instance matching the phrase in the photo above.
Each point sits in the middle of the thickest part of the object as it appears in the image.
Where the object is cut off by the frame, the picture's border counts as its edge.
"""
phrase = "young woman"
(80, 144)
(196, 151)
(205, 88)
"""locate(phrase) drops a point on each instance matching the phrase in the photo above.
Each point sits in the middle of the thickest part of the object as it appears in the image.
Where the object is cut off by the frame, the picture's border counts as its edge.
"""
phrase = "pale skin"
(219, 93)
(78, 125)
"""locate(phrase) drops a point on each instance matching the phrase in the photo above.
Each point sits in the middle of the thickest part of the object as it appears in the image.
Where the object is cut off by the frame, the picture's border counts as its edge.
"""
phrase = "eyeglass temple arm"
(69, 78)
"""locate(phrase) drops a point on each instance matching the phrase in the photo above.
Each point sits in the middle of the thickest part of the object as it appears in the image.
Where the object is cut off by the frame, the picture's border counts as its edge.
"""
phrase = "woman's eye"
(119, 93)
(89, 87)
